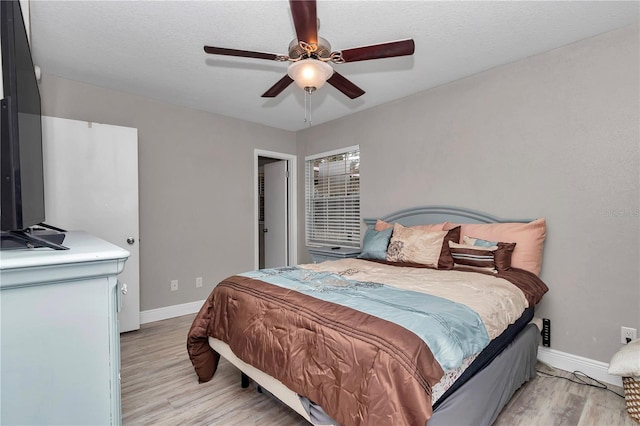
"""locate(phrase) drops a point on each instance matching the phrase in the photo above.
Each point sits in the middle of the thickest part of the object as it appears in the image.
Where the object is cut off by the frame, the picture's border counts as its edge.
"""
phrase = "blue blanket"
(451, 330)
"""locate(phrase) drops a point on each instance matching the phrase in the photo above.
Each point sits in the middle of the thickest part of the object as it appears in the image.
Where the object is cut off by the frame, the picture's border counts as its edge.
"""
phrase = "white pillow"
(626, 362)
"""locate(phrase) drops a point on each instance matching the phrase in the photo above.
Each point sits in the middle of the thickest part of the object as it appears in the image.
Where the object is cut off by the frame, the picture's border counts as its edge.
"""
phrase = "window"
(333, 198)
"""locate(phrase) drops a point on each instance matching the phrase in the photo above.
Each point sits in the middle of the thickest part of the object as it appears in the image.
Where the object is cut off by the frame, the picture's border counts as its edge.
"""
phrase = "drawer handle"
(123, 288)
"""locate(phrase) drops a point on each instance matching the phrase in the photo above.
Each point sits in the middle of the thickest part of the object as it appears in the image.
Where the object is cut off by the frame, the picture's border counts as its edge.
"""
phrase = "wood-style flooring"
(159, 387)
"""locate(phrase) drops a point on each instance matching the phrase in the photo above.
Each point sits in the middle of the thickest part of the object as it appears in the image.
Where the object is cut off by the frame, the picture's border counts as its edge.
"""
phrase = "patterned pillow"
(496, 258)
(375, 243)
(474, 256)
(502, 256)
(410, 245)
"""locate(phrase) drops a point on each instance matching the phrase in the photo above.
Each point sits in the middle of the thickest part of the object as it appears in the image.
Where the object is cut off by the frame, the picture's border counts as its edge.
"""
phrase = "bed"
(432, 324)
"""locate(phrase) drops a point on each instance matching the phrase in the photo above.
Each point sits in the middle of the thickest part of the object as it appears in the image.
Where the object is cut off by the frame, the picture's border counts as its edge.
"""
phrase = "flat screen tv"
(21, 160)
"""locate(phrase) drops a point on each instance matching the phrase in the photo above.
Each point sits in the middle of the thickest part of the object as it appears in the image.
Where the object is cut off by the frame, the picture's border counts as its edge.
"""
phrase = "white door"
(275, 214)
(91, 184)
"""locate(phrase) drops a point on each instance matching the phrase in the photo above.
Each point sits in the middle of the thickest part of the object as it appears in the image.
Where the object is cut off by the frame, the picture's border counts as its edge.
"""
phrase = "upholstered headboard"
(438, 214)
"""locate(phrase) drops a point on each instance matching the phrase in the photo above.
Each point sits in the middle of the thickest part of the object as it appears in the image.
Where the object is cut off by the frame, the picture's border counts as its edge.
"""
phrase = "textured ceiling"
(155, 48)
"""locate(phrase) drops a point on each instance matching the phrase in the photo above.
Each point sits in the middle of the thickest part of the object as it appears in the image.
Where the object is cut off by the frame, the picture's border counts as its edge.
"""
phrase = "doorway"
(275, 234)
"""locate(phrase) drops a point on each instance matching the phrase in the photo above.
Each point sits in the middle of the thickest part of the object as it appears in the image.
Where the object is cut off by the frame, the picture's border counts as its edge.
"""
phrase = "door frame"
(292, 204)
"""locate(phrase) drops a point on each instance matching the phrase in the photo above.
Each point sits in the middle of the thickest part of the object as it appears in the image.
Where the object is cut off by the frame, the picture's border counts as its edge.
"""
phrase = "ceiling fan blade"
(305, 20)
(345, 86)
(240, 53)
(378, 51)
(277, 88)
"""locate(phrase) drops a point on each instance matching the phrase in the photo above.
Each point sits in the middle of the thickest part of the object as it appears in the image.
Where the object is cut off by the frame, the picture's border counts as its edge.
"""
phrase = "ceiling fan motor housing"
(296, 51)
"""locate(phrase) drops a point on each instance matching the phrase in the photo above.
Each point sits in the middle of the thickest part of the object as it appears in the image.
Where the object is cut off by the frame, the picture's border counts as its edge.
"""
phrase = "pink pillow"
(381, 225)
(529, 239)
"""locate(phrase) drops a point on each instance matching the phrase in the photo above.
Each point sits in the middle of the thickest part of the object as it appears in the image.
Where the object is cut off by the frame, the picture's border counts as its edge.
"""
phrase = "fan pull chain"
(306, 110)
(307, 106)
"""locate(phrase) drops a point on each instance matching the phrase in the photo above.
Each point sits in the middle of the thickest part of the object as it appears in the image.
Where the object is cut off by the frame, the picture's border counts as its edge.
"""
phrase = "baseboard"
(568, 362)
(167, 312)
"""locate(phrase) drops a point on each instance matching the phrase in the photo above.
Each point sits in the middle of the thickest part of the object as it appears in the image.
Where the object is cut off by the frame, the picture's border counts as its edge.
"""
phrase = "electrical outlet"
(627, 333)
(174, 285)
(198, 281)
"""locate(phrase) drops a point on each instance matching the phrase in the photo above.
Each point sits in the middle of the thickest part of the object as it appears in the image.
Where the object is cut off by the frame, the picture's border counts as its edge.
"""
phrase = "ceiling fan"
(309, 55)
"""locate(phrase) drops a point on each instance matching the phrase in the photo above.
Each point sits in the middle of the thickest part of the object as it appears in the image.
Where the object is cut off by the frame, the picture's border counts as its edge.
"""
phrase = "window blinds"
(333, 198)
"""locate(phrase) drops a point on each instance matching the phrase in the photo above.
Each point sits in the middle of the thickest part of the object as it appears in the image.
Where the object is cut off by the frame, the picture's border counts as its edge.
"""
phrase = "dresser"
(60, 340)
(320, 254)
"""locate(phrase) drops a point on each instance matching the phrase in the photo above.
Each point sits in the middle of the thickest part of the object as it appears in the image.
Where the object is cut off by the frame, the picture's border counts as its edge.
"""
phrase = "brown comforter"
(360, 369)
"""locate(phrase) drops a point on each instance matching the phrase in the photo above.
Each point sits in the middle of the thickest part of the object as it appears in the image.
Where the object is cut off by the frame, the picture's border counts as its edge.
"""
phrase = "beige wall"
(556, 136)
(196, 183)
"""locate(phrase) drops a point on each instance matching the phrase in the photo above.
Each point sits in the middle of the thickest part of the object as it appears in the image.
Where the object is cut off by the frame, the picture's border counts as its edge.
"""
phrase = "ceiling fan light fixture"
(310, 73)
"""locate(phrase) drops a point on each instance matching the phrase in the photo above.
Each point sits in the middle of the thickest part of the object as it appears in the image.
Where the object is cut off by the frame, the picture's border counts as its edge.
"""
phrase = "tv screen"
(21, 171)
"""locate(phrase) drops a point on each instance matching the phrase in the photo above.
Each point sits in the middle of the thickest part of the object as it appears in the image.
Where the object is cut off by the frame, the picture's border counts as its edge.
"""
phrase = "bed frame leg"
(244, 381)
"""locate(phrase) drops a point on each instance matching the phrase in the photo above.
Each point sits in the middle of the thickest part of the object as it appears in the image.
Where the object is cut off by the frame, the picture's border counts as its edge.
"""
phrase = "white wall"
(556, 136)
